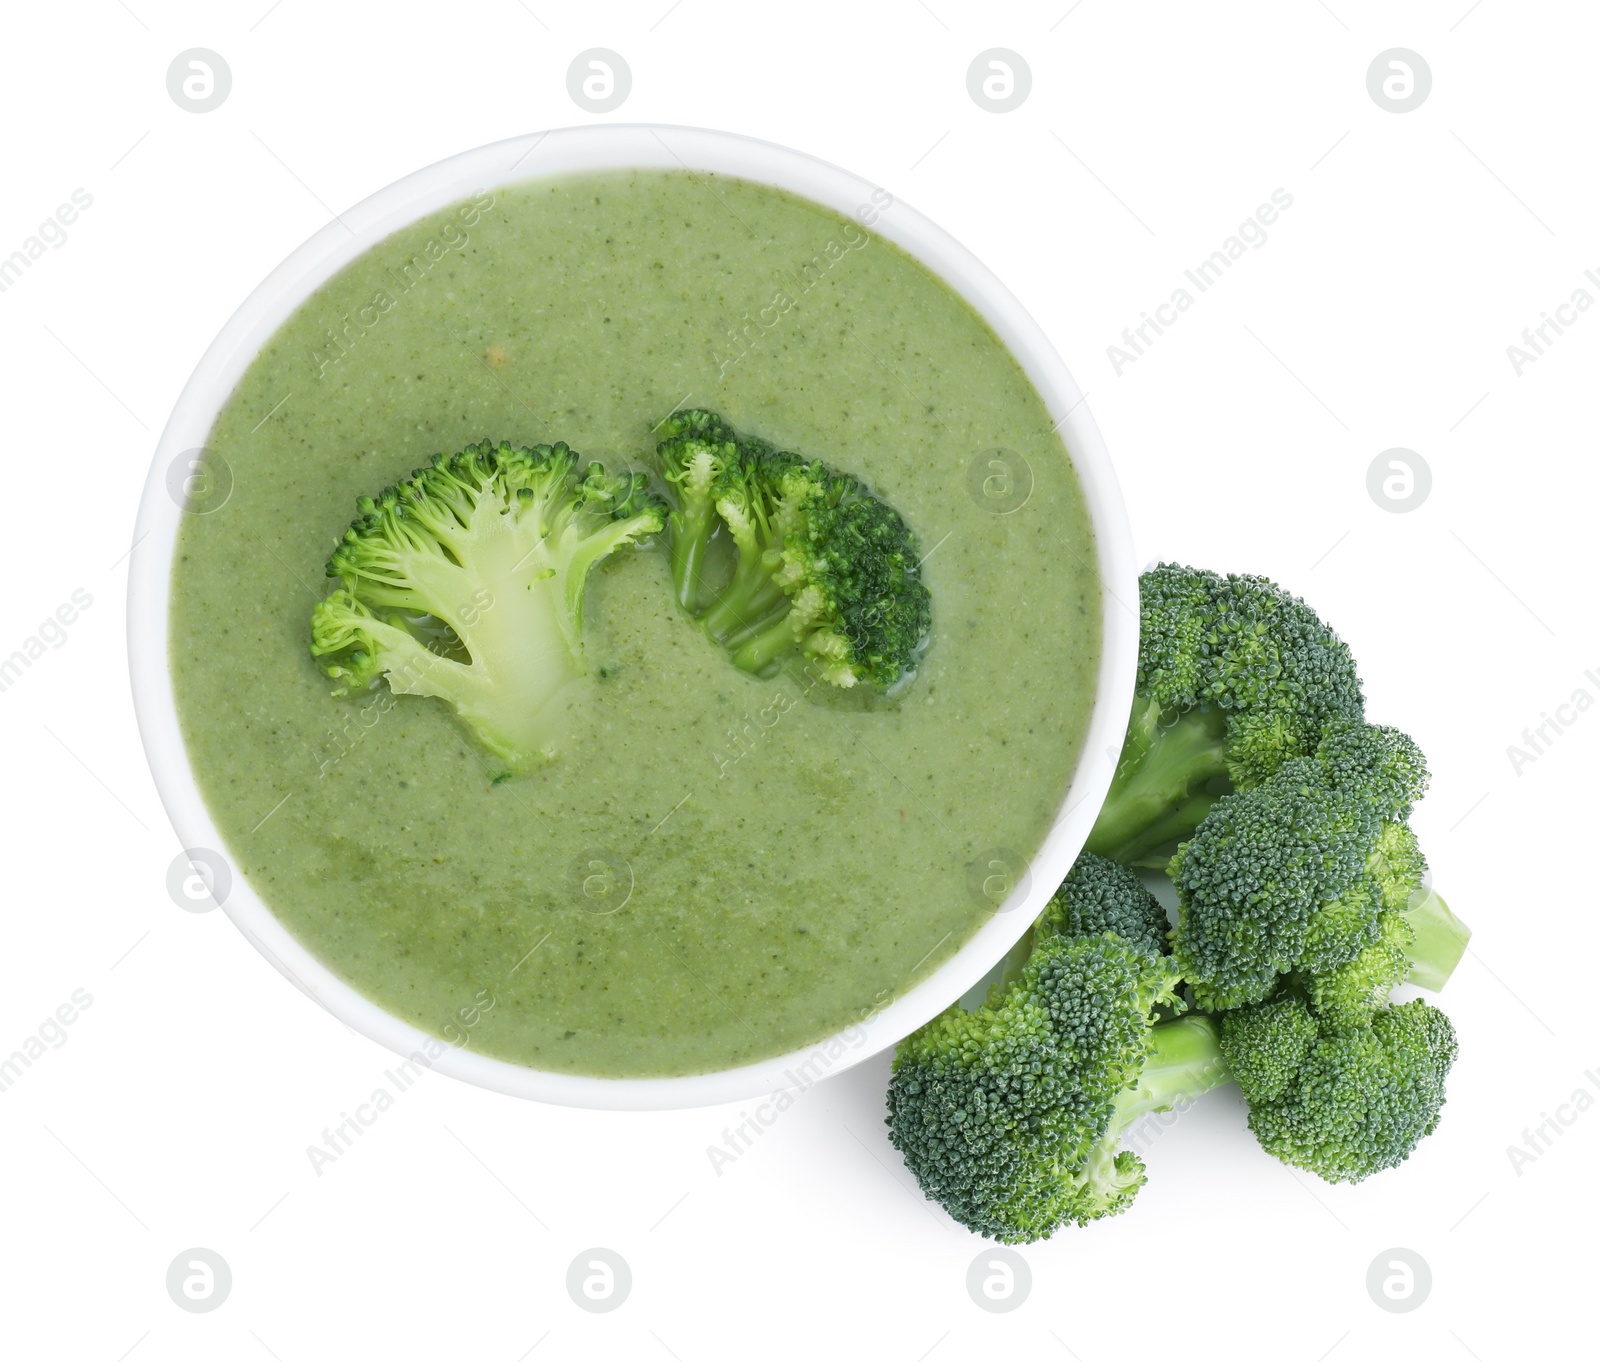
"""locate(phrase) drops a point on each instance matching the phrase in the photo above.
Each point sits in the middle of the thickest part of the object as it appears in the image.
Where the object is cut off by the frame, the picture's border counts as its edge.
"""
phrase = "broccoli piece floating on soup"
(695, 453)
(824, 571)
(465, 581)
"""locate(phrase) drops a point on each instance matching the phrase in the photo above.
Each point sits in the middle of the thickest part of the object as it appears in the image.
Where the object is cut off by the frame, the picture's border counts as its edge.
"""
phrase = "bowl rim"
(543, 155)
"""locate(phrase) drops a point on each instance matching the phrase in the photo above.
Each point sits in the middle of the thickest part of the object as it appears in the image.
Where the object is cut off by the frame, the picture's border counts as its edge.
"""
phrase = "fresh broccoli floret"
(1298, 873)
(1383, 760)
(1413, 936)
(1011, 1116)
(1236, 677)
(1100, 896)
(1310, 872)
(1265, 1044)
(1358, 987)
(1341, 1097)
(824, 570)
(465, 581)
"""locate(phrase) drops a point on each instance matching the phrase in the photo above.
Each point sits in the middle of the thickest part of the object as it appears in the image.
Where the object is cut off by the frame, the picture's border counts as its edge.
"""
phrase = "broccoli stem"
(737, 638)
(1156, 798)
(1441, 941)
(522, 657)
(750, 596)
(688, 556)
(1185, 1061)
(582, 557)
(762, 651)
(691, 533)
(1153, 848)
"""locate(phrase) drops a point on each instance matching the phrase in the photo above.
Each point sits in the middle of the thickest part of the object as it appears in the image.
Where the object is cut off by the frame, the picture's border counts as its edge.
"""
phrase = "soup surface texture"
(717, 868)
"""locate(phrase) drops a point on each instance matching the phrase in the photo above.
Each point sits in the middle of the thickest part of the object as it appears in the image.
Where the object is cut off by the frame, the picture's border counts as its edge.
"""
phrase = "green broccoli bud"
(1100, 896)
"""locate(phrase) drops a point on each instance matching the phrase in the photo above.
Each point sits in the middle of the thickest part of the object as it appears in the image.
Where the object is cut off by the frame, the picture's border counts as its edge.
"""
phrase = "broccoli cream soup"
(716, 868)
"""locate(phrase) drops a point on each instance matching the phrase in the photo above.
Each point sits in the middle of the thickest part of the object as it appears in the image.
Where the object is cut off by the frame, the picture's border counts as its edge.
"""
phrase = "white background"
(1377, 314)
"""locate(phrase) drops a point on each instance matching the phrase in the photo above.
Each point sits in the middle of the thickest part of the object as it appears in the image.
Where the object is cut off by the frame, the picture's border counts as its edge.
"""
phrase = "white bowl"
(536, 157)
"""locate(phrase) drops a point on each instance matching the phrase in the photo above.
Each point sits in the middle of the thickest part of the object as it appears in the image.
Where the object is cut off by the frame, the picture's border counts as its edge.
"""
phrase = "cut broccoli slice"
(465, 581)
(824, 572)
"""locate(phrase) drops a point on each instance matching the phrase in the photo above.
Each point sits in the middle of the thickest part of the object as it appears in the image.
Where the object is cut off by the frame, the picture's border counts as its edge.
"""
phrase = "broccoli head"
(1100, 896)
(823, 570)
(1342, 1097)
(1236, 677)
(1314, 873)
(1011, 1115)
(465, 581)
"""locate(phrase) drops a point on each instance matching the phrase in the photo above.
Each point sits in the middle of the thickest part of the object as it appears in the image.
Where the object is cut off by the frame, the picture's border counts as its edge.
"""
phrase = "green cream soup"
(717, 868)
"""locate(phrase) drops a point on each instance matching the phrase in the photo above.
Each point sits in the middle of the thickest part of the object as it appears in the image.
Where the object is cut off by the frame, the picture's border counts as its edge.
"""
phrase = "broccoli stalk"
(759, 507)
(466, 581)
(1184, 1061)
(1158, 795)
(692, 524)
(696, 451)
(1439, 939)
